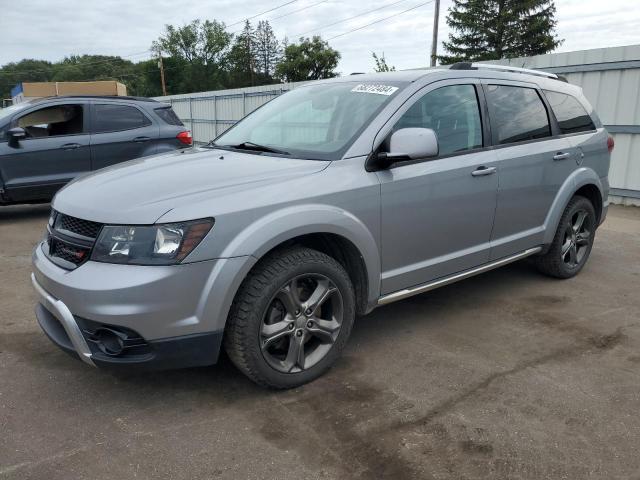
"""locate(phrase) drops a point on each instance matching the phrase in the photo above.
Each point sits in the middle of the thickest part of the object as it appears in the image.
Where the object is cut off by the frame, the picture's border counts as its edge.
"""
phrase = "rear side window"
(571, 115)
(453, 113)
(112, 118)
(518, 114)
(169, 116)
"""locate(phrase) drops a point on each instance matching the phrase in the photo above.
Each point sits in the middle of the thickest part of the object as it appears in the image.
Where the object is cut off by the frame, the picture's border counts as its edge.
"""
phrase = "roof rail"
(503, 68)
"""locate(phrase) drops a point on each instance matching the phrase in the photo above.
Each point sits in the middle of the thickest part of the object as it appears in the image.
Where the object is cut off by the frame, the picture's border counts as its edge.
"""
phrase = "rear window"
(113, 118)
(169, 116)
(518, 114)
(571, 115)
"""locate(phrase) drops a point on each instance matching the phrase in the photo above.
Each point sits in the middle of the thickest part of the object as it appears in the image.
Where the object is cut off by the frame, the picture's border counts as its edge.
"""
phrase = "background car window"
(453, 113)
(169, 116)
(571, 115)
(112, 118)
(518, 113)
(53, 121)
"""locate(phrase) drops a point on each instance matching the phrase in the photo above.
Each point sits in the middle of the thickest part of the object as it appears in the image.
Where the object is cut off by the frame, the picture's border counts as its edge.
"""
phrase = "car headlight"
(149, 244)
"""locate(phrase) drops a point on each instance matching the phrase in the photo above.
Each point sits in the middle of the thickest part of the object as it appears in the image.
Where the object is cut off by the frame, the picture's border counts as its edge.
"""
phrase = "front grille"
(70, 240)
(78, 226)
(69, 253)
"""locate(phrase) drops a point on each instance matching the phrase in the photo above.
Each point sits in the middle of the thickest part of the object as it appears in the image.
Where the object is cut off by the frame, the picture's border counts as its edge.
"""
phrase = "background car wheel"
(291, 318)
(573, 240)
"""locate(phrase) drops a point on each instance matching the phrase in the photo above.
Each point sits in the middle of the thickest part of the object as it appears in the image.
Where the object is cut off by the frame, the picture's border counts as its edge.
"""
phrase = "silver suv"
(328, 201)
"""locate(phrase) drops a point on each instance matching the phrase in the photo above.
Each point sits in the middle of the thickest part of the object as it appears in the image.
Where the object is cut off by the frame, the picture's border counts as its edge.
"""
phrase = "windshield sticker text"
(377, 89)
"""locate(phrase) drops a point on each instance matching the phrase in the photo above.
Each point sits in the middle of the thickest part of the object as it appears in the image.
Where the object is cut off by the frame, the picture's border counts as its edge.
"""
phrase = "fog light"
(109, 342)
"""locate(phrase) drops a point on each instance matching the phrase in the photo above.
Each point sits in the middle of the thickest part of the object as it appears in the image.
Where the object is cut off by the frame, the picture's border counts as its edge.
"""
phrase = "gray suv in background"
(46, 143)
(326, 202)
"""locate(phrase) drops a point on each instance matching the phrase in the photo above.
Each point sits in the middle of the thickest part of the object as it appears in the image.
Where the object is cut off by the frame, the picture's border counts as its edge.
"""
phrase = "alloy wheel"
(577, 238)
(301, 323)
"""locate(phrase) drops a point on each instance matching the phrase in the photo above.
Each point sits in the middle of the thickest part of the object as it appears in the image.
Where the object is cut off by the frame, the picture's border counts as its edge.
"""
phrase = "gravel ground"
(507, 375)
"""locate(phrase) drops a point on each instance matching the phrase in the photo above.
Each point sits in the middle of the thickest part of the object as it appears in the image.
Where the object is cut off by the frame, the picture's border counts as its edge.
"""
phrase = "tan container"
(38, 89)
(107, 87)
(52, 89)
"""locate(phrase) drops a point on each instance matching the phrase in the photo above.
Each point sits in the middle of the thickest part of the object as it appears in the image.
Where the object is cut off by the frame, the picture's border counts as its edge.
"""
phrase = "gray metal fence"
(208, 114)
(610, 78)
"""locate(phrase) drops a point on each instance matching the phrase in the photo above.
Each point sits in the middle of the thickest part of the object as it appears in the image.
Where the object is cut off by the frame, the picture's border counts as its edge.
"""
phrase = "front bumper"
(65, 331)
(173, 314)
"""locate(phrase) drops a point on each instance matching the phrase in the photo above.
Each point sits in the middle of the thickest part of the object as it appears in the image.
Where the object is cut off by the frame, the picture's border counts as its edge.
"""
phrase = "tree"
(75, 68)
(311, 59)
(381, 63)
(242, 58)
(267, 49)
(199, 51)
(27, 70)
(495, 29)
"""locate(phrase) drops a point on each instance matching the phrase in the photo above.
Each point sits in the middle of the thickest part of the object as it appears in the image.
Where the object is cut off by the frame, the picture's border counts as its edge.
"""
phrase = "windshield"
(314, 122)
(7, 112)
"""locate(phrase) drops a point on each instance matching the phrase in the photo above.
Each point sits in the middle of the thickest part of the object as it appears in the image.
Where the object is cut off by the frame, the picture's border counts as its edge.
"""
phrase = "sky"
(51, 30)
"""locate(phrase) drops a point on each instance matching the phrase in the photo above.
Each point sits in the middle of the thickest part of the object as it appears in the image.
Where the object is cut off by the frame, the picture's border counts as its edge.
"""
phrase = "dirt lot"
(506, 375)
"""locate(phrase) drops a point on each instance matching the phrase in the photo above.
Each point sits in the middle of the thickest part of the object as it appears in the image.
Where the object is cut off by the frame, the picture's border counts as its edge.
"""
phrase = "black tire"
(260, 295)
(557, 262)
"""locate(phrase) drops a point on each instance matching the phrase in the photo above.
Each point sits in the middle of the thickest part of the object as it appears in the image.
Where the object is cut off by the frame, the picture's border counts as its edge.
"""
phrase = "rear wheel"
(573, 241)
(291, 318)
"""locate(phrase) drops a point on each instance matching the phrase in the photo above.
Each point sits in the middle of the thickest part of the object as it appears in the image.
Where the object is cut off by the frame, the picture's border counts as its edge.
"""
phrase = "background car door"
(120, 132)
(532, 165)
(55, 151)
(437, 214)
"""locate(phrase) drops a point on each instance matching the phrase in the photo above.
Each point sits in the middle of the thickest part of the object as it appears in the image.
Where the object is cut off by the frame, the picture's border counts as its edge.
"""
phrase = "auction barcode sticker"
(377, 89)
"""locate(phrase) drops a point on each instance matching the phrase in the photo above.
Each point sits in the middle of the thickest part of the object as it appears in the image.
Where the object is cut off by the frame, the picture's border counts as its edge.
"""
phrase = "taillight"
(610, 144)
(185, 138)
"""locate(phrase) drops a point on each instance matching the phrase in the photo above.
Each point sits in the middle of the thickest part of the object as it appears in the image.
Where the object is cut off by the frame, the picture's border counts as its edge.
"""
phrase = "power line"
(289, 13)
(266, 11)
(378, 21)
(299, 10)
(349, 18)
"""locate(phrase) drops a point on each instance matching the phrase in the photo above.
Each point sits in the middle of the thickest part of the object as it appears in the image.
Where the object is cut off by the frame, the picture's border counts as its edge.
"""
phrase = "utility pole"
(434, 40)
(161, 66)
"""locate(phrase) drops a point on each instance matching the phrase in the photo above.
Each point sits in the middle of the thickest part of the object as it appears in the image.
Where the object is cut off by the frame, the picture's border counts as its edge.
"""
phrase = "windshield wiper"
(256, 147)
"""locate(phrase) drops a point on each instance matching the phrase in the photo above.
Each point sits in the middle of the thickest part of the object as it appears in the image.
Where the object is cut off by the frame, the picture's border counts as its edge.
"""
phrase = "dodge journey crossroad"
(332, 199)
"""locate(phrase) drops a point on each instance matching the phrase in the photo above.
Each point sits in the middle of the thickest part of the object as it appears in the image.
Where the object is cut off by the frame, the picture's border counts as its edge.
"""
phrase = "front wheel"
(573, 240)
(291, 318)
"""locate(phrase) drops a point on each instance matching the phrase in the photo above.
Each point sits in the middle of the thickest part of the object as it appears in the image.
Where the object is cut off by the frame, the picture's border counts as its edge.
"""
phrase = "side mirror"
(413, 143)
(14, 135)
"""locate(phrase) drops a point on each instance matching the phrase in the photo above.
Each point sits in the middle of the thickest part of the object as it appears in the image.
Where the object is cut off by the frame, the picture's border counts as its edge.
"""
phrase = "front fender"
(277, 227)
(579, 178)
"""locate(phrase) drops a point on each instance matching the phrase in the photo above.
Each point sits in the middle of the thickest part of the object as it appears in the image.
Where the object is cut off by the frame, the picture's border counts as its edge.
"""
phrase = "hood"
(141, 191)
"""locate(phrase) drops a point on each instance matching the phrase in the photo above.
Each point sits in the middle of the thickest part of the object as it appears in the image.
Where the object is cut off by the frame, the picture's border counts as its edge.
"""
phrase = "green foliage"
(311, 59)
(79, 68)
(198, 52)
(24, 70)
(268, 51)
(242, 58)
(381, 63)
(198, 56)
(494, 29)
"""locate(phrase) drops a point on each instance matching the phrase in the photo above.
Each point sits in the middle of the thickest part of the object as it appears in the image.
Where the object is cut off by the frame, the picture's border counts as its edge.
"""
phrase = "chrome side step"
(425, 287)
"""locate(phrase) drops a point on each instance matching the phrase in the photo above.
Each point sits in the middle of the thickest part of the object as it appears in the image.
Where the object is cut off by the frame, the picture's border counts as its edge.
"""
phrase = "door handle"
(70, 146)
(561, 156)
(141, 139)
(482, 171)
